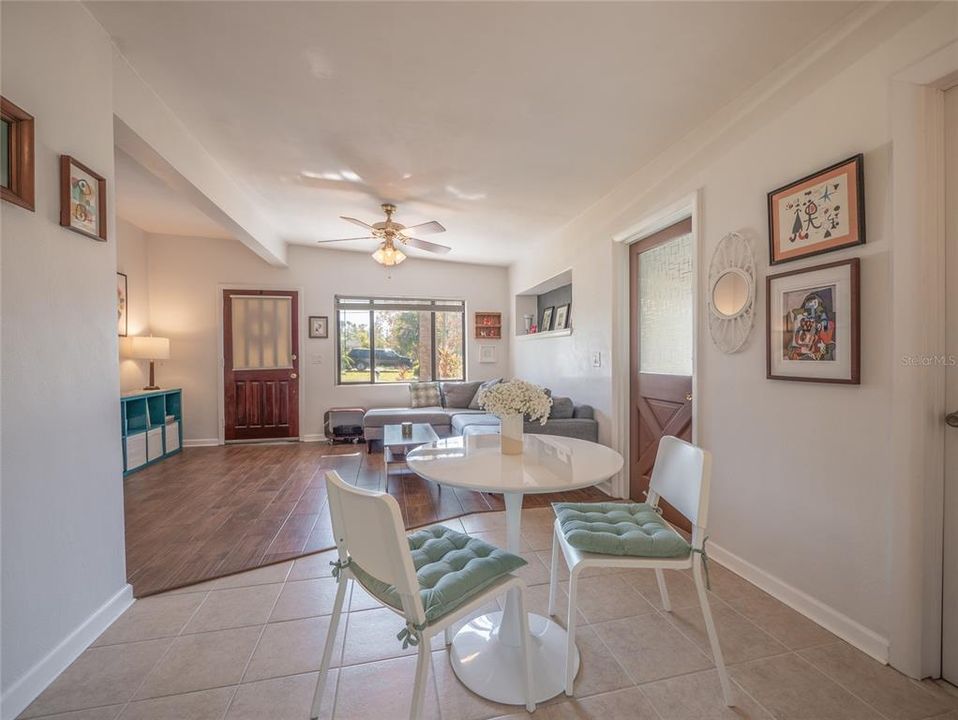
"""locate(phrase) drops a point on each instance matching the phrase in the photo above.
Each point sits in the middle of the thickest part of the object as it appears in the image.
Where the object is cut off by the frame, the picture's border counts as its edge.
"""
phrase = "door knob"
(952, 419)
(293, 376)
(688, 397)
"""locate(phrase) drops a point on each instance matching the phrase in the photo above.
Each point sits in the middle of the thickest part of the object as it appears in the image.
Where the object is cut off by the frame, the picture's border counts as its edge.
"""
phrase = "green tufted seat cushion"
(619, 529)
(451, 569)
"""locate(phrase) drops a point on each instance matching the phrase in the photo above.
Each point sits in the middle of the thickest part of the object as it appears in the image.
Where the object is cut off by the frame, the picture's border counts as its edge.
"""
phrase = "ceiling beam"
(147, 130)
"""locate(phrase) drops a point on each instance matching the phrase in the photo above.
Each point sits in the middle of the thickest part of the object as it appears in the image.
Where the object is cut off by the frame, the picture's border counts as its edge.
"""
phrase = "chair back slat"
(681, 476)
(369, 530)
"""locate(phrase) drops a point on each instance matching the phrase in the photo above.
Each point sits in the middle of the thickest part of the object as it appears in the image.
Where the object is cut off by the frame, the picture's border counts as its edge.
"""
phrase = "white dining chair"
(680, 477)
(374, 551)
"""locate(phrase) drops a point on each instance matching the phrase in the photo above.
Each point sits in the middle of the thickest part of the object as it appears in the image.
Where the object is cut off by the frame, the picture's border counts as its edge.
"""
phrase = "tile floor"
(247, 647)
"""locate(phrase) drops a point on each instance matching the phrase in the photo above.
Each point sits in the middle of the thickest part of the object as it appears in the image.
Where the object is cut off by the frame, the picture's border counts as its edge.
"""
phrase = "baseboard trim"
(201, 442)
(312, 438)
(26, 689)
(852, 632)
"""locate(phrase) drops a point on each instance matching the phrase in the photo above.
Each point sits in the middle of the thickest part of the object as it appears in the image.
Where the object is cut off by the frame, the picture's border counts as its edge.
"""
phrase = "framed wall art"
(16, 155)
(546, 324)
(122, 305)
(318, 326)
(82, 199)
(562, 316)
(487, 353)
(819, 213)
(813, 327)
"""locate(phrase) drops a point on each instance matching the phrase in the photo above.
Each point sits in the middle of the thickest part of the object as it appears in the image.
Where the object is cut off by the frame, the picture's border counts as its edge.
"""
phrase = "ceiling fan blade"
(368, 237)
(426, 228)
(426, 245)
(354, 221)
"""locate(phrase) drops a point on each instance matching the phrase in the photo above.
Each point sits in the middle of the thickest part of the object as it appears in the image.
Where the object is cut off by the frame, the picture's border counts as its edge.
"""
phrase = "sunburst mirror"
(731, 293)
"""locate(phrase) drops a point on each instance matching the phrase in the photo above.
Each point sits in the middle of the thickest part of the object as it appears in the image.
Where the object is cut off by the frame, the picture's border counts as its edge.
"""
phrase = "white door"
(949, 644)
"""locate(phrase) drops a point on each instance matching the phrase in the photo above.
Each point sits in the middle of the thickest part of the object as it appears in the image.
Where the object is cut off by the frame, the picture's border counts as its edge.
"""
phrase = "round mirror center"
(730, 294)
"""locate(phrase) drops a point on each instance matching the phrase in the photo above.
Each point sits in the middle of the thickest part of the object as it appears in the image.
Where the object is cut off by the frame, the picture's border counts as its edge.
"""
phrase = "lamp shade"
(147, 347)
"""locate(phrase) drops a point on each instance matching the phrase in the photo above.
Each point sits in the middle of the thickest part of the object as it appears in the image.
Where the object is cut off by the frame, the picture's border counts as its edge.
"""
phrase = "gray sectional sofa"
(567, 419)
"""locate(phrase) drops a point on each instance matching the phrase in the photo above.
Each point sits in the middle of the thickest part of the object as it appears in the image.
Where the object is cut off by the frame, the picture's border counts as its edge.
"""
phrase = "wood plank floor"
(209, 512)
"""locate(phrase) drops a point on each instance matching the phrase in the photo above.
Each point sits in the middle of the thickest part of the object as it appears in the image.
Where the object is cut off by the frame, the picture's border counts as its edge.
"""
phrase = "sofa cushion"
(458, 394)
(462, 421)
(474, 404)
(391, 416)
(451, 568)
(619, 529)
(424, 394)
(562, 408)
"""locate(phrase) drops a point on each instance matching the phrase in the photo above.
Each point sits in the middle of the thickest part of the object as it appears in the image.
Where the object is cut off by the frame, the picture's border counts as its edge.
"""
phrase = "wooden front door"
(661, 333)
(261, 365)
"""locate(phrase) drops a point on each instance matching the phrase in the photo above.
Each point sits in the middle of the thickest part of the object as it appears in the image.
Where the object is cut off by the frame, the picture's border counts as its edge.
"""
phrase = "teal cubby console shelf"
(152, 425)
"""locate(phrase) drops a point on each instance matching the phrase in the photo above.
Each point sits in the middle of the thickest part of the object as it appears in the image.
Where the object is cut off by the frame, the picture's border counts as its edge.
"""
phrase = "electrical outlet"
(596, 358)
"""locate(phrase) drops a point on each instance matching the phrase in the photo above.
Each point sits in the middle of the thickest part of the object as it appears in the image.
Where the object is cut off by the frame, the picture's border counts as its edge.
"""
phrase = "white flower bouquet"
(517, 397)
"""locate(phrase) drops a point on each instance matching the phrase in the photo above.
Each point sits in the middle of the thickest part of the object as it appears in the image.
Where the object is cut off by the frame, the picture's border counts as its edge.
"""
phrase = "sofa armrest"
(585, 412)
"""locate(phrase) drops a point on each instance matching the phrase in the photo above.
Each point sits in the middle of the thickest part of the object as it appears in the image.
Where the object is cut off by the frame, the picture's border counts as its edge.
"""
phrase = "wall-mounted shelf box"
(488, 326)
(152, 427)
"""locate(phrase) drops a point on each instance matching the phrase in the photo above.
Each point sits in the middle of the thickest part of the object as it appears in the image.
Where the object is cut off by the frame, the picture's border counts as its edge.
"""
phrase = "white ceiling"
(501, 120)
(151, 205)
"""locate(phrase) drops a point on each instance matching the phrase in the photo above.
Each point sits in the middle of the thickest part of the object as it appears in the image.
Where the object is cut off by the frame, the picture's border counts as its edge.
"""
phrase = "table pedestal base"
(492, 668)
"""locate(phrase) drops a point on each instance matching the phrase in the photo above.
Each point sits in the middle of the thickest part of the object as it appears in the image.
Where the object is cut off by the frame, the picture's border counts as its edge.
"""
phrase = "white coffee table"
(396, 446)
(485, 653)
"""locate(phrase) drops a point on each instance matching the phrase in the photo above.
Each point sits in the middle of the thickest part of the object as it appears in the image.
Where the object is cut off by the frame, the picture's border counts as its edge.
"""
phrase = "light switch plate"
(596, 358)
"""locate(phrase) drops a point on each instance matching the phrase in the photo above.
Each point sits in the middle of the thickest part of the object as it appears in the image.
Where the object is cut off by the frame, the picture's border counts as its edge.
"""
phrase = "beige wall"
(63, 563)
(186, 276)
(802, 477)
(132, 260)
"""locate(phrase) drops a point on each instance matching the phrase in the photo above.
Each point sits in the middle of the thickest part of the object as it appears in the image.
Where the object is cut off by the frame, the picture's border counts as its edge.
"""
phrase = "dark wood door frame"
(680, 421)
(279, 409)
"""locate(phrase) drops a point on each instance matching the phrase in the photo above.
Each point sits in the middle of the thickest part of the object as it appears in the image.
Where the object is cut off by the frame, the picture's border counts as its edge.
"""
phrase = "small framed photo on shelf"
(819, 213)
(813, 330)
(318, 326)
(546, 324)
(562, 316)
(82, 199)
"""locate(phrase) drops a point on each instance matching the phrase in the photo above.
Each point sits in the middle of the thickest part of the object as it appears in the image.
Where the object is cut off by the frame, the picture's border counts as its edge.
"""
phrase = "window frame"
(372, 304)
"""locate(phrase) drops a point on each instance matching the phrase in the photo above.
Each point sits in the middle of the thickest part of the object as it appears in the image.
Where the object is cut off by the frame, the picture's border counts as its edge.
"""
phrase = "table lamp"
(150, 348)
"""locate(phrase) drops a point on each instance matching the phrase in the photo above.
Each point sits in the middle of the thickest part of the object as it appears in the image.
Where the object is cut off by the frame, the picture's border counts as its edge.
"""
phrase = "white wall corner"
(852, 632)
(26, 688)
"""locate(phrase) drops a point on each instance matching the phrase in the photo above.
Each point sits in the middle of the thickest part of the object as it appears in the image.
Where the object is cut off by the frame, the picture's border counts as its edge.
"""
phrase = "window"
(397, 340)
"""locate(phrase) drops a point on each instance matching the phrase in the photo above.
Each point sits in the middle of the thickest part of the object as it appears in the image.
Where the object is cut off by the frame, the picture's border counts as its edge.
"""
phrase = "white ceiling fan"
(392, 234)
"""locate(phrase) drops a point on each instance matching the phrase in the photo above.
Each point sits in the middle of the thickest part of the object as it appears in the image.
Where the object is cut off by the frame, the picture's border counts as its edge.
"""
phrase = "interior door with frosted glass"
(661, 292)
(261, 367)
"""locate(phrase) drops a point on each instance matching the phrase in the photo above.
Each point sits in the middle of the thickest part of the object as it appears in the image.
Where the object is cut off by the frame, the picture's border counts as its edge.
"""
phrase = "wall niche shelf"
(545, 335)
(552, 293)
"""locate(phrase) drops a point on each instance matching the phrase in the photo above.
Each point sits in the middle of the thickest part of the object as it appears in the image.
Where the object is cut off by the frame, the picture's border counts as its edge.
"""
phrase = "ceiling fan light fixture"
(388, 255)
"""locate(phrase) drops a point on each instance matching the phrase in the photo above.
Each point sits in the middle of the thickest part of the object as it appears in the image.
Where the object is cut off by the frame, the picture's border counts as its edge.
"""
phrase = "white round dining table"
(485, 653)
